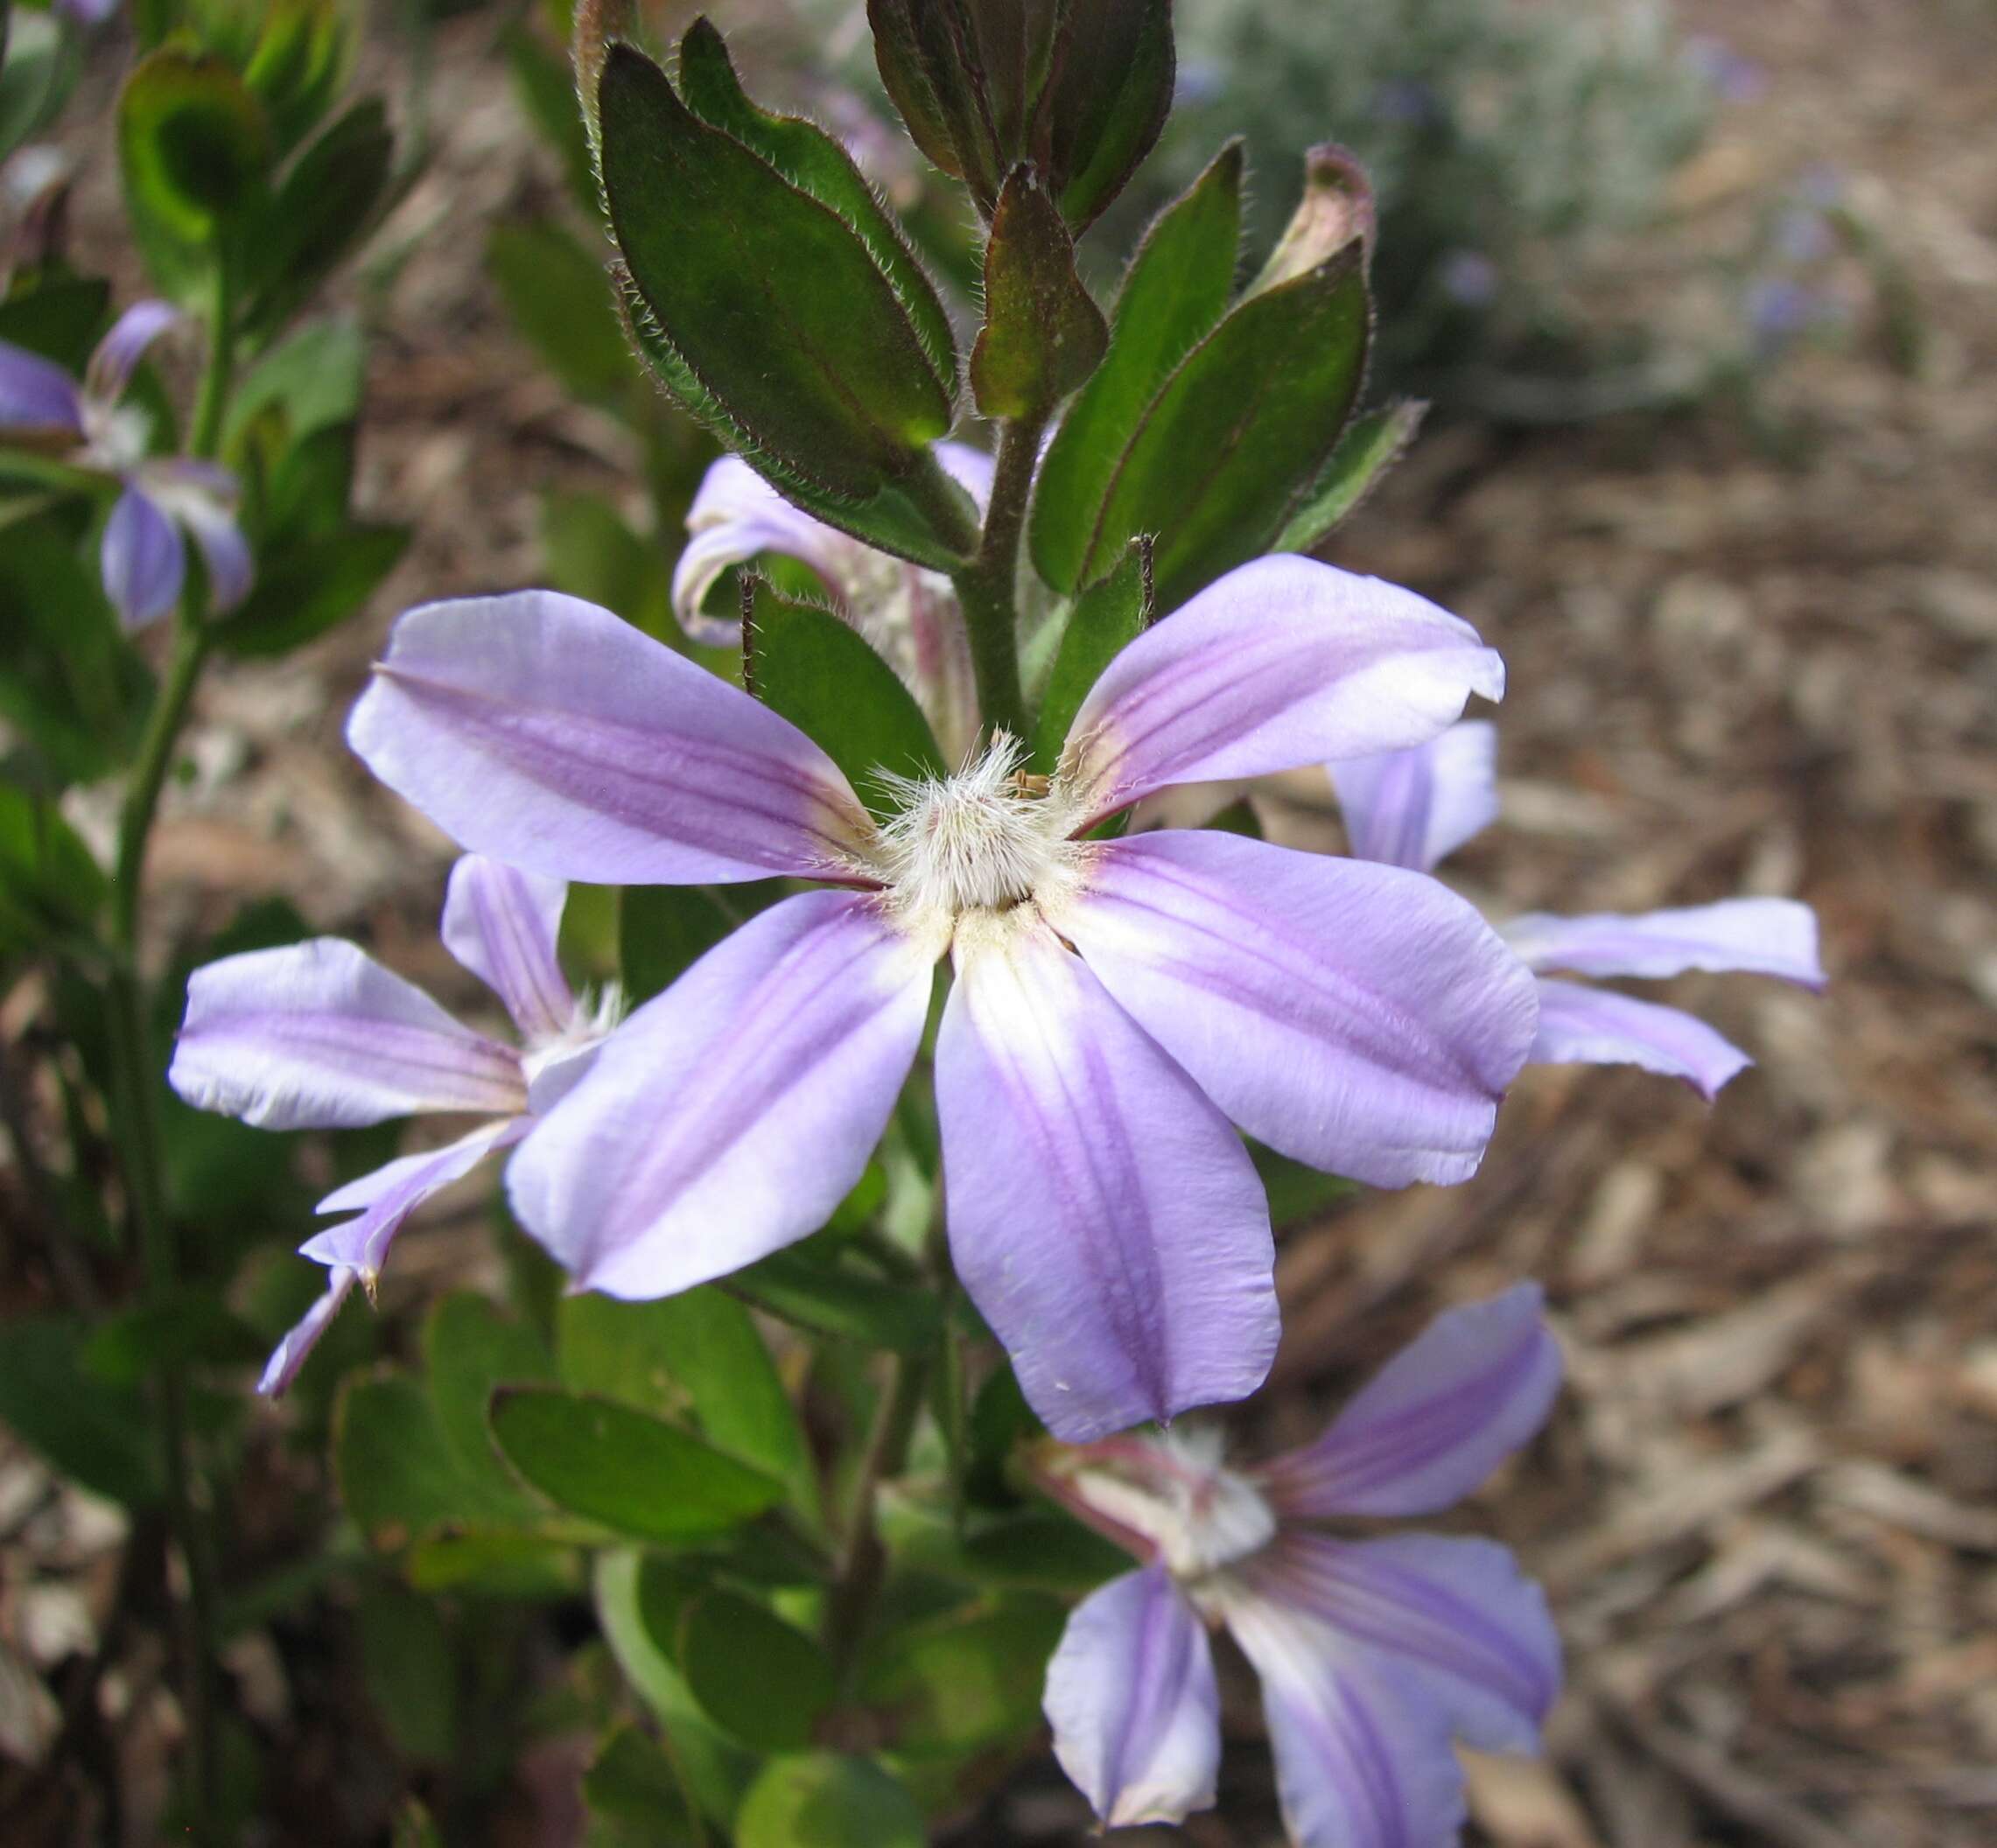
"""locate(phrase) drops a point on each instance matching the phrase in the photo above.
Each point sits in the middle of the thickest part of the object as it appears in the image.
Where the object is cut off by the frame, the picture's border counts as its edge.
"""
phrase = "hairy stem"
(988, 586)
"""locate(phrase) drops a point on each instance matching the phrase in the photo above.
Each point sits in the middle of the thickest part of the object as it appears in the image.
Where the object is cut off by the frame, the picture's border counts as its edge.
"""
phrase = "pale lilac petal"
(1596, 1026)
(1364, 1755)
(35, 394)
(319, 1035)
(89, 12)
(731, 1115)
(1363, 1019)
(550, 734)
(144, 561)
(1435, 1421)
(225, 552)
(1746, 936)
(290, 1354)
(1104, 1219)
(1132, 1700)
(119, 352)
(392, 1192)
(1459, 1612)
(502, 925)
(1414, 808)
(1284, 661)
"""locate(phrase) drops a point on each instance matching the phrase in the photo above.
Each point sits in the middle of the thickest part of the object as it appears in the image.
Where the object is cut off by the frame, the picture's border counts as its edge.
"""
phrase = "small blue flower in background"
(1375, 1654)
(144, 555)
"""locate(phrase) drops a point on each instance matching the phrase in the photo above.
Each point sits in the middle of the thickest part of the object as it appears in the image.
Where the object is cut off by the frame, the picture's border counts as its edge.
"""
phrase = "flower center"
(983, 840)
(1176, 1492)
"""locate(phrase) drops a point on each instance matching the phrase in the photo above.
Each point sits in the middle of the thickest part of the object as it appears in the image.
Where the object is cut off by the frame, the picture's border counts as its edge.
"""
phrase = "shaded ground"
(1767, 1511)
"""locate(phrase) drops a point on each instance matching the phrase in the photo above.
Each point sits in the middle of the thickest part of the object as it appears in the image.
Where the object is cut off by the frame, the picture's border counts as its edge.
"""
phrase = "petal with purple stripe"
(1360, 1017)
(119, 352)
(1415, 808)
(37, 395)
(1745, 936)
(1435, 1421)
(1132, 1699)
(1104, 1219)
(290, 1354)
(731, 1115)
(388, 1196)
(1285, 661)
(1459, 1612)
(319, 1035)
(143, 560)
(547, 732)
(1595, 1027)
(502, 924)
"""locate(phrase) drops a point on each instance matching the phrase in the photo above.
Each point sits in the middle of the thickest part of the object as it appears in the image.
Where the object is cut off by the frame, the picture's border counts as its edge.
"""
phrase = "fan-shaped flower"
(319, 1035)
(1375, 1654)
(143, 556)
(908, 615)
(1116, 1002)
(1411, 807)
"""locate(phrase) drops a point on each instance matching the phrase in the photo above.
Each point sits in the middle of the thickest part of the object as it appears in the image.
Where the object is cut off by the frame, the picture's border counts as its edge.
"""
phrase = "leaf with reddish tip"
(1043, 335)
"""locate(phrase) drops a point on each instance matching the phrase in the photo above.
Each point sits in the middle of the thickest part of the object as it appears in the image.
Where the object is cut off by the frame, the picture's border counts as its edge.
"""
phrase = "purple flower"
(1117, 1003)
(142, 557)
(1375, 1654)
(1411, 807)
(910, 615)
(319, 1035)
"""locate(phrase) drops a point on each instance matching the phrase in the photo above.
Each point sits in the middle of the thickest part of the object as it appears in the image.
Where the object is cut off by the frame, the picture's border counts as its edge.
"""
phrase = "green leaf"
(620, 1466)
(770, 300)
(410, 1671)
(60, 321)
(822, 674)
(547, 94)
(314, 378)
(39, 67)
(664, 929)
(1297, 1193)
(756, 1677)
(195, 151)
(592, 552)
(96, 1433)
(1368, 449)
(398, 1474)
(1109, 101)
(828, 1800)
(192, 1328)
(414, 1826)
(1175, 293)
(318, 214)
(471, 1350)
(1107, 617)
(1043, 334)
(307, 494)
(309, 587)
(51, 889)
(1255, 409)
(635, 1797)
(965, 1680)
(300, 61)
(812, 161)
(561, 298)
(830, 1300)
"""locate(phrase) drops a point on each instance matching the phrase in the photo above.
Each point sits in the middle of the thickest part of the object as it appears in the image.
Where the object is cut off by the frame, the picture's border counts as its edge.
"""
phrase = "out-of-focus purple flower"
(1411, 807)
(1116, 1004)
(910, 615)
(319, 1035)
(1733, 78)
(89, 12)
(1406, 100)
(1375, 1655)
(1469, 279)
(1781, 310)
(143, 553)
(1803, 237)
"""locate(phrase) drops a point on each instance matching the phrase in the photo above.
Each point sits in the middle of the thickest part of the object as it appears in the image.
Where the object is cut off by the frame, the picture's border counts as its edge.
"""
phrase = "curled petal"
(1363, 1019)
(502, 925)
(36, 396)
(1594, 1026)
(319, 1035)
(1364, 1757)
(1459, 1612)
(1132, 1700)
(202, 497)
(550, 734)
(388, 1196)
(1284, 661)
(119, 352)
(290, 1354)
(1106, 1219)
(1437, 1419)
(1745, 936)
(731, 1115)
(144, 561)
(1415, 808)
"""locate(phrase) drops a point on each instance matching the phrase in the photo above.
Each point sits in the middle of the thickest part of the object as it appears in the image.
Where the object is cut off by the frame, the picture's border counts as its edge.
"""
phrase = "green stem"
(850, 1607)
(148, 777)
(988, 587)
(211, 404)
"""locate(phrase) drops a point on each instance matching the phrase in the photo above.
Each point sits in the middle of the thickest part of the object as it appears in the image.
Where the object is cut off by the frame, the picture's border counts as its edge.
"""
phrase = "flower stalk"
(988, 588)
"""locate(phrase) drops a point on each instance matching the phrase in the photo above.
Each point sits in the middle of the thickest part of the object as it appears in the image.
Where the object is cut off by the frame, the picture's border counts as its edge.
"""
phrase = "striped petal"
(1417, 807)
(502, 925)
